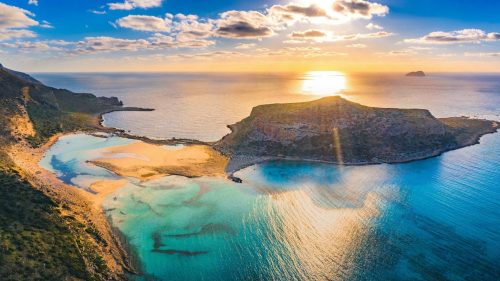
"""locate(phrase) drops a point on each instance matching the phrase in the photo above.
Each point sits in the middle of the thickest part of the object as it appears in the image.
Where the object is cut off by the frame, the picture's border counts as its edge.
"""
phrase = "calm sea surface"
(200, 106)
(435, 219)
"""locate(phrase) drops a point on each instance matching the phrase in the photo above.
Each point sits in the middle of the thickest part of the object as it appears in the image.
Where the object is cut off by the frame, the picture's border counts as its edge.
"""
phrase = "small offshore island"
(330, 130)
(416, 74)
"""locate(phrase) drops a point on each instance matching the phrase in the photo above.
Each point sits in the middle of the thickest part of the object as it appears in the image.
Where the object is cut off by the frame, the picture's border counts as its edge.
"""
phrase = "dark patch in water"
(64, 169)
(156, 236)
(211, 228)
(180, 252)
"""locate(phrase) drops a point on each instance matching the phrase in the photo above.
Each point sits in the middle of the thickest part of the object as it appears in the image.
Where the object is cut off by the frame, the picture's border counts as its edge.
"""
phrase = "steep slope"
(34, 111)
(47, 232)
(335, 130)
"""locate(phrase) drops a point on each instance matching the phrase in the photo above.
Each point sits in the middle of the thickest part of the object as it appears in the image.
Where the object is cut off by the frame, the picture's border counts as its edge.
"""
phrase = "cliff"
(335, 130)
(35, 112)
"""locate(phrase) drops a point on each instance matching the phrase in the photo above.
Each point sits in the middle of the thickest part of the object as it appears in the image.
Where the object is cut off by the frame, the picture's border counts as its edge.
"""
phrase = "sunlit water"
(436, 219)
(200, 106)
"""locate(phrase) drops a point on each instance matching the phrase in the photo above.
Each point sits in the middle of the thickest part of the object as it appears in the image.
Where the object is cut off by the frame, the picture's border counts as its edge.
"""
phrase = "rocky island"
(416, 74)
(335, 130)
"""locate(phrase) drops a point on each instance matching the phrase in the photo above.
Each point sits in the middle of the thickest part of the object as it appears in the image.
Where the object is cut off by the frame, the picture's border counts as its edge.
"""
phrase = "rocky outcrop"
(416, 74)
(335, 130)
(48, 110)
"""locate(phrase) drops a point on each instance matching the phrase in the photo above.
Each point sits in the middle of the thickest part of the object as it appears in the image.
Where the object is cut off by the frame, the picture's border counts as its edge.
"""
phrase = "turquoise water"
(436, 219)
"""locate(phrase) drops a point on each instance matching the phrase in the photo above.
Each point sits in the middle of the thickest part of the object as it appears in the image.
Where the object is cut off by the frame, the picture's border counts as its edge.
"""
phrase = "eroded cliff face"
(336, 130)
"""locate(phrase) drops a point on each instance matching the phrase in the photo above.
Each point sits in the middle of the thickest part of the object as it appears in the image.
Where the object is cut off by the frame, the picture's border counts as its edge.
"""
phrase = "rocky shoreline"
(336, 131)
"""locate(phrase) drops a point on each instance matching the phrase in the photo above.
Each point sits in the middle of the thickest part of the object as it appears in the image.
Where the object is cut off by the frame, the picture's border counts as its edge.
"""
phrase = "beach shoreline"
(74, 203)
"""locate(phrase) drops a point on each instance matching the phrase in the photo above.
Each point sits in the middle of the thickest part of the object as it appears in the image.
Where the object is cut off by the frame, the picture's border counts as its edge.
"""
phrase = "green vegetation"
(48, 122)
(50, 110)
(36, 242)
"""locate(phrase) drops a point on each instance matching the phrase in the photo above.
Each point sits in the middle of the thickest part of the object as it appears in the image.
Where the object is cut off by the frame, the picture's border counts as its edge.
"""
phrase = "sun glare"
(324, 83)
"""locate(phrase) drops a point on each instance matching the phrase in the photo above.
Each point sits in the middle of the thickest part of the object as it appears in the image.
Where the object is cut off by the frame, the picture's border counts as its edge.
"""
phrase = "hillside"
(46, 231)
(33, 111)
(335, 130)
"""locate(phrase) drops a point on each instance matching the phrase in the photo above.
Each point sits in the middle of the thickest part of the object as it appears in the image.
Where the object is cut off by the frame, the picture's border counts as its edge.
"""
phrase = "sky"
(250, 36)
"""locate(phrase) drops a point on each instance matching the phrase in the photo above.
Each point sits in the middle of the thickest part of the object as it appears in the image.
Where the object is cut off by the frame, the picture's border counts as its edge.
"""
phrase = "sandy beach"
(75, 203)
(141, 160)
(146, 161)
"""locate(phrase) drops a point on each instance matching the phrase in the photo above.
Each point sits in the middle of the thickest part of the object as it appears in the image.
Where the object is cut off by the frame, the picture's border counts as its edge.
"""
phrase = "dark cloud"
(359, 8)
(243, 30)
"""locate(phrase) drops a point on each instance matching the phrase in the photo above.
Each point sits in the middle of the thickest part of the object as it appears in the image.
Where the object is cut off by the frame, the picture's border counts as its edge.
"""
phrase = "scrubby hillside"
(41, 236)
(34, 111)
(336, 130)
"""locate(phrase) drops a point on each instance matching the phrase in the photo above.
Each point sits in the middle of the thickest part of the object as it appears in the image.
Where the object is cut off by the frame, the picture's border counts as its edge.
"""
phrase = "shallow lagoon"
(436, 219)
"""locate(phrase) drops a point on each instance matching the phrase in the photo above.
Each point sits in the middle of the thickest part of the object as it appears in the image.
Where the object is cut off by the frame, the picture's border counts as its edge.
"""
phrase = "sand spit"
(146, 161)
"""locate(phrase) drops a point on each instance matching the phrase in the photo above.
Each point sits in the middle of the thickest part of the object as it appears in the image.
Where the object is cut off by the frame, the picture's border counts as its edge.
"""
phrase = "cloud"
(14, 17)
(294, 41)
(133, 4)
(493, 36)
(97, 12)
(243, 24)
(495, 55)
(208, 55)
(455, 37)
(7, 34)
(243, 46)
(190, 27)
(322, 36)
(372, 26)
(358, 46)
(14, 21)
(107, 44)
(33, 2)
(31, 46)
(359, 9)
(300, 52)
(290, 13)
(161, 41)
(145, 23)
(46, 24)
(356, 36)
(311, 33)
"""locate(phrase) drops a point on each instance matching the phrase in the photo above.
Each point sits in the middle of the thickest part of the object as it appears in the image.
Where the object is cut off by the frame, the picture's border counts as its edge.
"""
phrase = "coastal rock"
(44, 111)
(336, 130)
(416, 74)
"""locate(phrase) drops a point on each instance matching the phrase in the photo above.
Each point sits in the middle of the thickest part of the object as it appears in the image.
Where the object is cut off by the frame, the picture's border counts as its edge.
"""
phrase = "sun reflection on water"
(324, 83)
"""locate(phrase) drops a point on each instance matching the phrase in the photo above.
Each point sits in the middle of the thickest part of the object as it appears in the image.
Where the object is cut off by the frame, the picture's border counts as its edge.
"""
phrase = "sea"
(433, 219)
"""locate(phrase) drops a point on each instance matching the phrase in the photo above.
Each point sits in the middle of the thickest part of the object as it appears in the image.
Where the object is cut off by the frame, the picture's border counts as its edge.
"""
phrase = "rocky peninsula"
(336, 130)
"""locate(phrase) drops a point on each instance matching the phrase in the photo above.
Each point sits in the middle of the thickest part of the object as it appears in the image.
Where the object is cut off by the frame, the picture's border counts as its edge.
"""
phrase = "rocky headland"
(335, 130)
